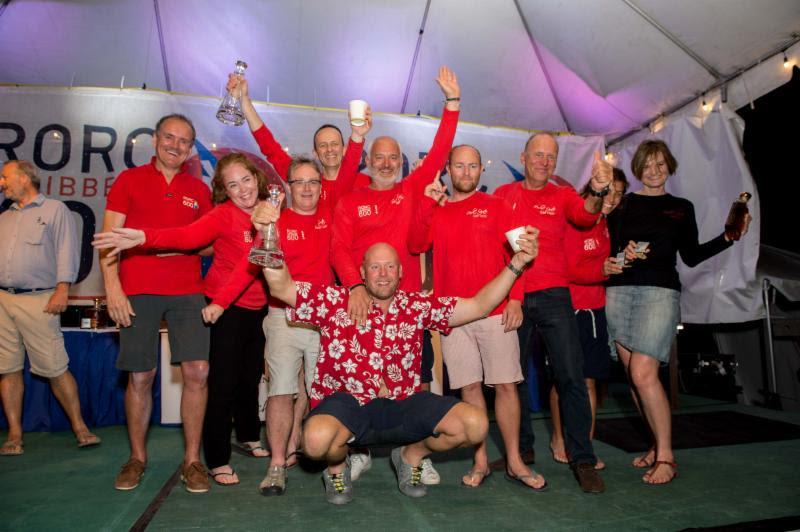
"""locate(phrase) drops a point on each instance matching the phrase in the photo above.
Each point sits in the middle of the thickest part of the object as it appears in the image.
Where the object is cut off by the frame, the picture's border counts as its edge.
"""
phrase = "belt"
(11, 290)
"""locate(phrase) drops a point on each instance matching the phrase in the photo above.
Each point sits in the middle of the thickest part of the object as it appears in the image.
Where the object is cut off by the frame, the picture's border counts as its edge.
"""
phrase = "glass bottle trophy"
(269, 253)
(734, 225)
(230, 110)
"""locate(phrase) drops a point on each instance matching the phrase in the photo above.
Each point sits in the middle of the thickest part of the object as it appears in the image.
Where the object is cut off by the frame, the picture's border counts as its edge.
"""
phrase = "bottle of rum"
(734, 225)
(94, 317)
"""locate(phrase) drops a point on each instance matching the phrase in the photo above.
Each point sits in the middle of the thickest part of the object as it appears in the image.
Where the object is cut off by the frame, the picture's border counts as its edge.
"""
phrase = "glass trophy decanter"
(269, 253)
(230, 110)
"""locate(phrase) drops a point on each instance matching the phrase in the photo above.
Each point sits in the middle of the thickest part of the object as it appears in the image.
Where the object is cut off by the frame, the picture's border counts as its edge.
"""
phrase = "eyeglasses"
(311, 183)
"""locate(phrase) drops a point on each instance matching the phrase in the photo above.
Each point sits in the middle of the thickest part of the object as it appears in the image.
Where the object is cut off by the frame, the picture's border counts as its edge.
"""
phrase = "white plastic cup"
(358, 112)
(513, 236)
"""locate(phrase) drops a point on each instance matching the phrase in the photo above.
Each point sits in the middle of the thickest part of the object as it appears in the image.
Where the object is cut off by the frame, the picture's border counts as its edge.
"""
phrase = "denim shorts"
(643, 319)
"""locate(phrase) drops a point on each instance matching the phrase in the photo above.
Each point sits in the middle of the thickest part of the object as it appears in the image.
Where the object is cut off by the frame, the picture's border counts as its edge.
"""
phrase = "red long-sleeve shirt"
(469, 243)
(549, 209)
(586, 251)
(346, 180)
(229, 229)
(366, 216)
(305, 241)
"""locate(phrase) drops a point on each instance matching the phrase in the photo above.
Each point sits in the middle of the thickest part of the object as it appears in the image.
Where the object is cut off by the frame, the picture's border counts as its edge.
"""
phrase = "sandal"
(658, 463)
(87, 439)
(230, 473)
(472, 474)
(641, 461)
(522, 478)
(12, 448)
(250, 448)
(557, 458)
(296, 455)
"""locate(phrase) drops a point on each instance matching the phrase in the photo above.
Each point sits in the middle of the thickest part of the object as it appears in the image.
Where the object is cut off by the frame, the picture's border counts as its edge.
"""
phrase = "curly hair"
(218, 192)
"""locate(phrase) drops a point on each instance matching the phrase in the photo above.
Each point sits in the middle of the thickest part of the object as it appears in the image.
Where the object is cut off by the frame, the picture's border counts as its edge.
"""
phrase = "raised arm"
(493, 293)
(281, 285)
(348, 171)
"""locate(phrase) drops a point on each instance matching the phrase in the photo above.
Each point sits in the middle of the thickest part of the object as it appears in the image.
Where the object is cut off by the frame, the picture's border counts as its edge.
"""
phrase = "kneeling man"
(367, 388)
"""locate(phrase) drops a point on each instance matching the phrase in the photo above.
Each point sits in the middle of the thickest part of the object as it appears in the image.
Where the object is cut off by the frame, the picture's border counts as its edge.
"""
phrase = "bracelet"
(516, 271)
(452, 99)
(356, 286)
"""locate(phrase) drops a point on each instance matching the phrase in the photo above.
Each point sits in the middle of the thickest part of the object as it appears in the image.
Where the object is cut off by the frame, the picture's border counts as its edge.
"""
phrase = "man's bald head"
(381, 271)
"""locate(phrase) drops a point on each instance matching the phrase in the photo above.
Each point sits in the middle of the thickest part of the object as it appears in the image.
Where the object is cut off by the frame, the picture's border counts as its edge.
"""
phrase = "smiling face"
(613, 197)
(241, 186)
(385, 162)
(655, 172)
(465, 169)
(12, 182)
(329, 147)
(305, 187)
(539, 159)
(381, 271)
(173, 143)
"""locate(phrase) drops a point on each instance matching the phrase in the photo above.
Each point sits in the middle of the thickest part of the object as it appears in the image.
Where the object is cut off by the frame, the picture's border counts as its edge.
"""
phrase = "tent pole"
(416, 55)
(163, 49)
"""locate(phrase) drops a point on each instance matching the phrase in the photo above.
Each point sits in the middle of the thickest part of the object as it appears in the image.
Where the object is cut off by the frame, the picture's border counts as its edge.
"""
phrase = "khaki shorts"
(25, 327)
(481, 352)
(288, 347)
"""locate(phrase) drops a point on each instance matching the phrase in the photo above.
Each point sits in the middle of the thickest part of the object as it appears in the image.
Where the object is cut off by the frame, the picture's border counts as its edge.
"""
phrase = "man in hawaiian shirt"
(367, 388)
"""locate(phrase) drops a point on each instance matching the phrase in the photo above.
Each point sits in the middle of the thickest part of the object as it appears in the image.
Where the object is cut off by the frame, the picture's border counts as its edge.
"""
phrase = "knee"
(471, 388)
(195, 373)
(141, 381)
(644, 377)
(474, 422)
(319, 434)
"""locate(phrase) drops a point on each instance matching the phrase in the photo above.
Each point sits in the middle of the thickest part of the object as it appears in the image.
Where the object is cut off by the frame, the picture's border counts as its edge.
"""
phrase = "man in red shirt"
(339, 165)
(367, 388)
(467, 234)
(144, 286)
(547, 305)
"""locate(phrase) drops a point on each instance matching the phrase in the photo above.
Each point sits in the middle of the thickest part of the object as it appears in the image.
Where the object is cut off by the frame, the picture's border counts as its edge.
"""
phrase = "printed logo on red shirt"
(397, 199)
(248, 236)
(478, 213)
(190, 202)
(366, 210)
(293, 234)
(590, 244)
(321, 224)
(546, 210)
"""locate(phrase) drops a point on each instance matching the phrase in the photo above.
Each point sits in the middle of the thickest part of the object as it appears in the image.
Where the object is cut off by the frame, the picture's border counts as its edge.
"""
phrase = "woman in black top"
(643, 298)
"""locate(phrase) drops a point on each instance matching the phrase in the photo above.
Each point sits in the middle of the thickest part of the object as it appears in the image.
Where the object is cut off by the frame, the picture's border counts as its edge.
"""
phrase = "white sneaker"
(359, 463)
(430, 477)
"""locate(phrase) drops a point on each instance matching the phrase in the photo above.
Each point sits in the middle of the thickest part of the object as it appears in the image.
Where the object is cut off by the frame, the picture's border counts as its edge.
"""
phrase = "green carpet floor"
(55, 486)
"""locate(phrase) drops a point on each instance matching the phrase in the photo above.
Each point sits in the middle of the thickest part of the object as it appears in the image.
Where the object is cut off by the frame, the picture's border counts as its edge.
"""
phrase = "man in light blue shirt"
(38, 262)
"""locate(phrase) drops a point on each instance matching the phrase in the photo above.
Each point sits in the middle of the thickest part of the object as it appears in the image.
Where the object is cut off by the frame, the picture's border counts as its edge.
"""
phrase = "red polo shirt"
(143, 195)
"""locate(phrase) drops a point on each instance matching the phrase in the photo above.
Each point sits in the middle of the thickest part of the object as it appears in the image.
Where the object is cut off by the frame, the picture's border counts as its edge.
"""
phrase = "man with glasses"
(547, 305)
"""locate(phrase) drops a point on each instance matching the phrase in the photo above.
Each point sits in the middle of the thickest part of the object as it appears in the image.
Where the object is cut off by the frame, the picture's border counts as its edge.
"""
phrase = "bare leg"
(464, 425)
(325, 438)
(12, 388)
(138, 406)
(473, 394)
(507, 413)
(193, 406)
(279, 426)
(625, 356)
(644, 375)
(299, 412)
(66, 391)
(557, 439)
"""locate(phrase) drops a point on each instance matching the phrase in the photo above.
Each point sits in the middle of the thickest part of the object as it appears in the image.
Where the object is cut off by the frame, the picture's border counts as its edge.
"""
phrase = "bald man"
(367, 387)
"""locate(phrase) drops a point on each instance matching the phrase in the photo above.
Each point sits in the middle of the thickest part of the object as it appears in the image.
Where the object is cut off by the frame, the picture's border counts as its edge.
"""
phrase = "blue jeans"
(550, 311)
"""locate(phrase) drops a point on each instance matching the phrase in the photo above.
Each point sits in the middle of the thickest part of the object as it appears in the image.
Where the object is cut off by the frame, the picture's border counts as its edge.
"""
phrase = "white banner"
(81, 139)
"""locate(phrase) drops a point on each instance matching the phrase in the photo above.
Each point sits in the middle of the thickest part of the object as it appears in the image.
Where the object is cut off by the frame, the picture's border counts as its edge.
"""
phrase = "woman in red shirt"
(589, 265)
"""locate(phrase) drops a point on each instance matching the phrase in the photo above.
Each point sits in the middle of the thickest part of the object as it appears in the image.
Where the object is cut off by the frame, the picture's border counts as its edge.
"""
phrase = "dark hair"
(619, 177)
(454, 148)
(301, 160)
(177, 116)
(326, 126)
(218, 192)
(647, 149)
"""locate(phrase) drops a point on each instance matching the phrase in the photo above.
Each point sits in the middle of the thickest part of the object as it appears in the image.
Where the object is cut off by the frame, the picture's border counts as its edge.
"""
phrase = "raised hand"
(237, 85)
(359, 132)
(529, 244)
(602, 173)
(448, 82)
(436, 190)
(266, 213)
(118, 239)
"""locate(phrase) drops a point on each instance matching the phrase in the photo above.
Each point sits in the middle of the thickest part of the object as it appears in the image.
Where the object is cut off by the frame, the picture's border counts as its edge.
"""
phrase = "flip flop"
(296, 455)
(656, 465)
(556, 459)
(89, 440)
(642, 463)
(250, 450)
(220, 473)
(472, 473)
(12, 448)
(521, 481)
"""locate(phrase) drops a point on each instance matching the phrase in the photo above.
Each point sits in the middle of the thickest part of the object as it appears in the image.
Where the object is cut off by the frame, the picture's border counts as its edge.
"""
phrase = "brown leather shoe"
(195, 478)
(528, 458)
(130, 475)
(588, 478)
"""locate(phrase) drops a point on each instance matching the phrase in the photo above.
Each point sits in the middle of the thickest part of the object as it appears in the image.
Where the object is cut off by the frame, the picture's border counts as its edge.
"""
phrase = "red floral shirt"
(389, 346)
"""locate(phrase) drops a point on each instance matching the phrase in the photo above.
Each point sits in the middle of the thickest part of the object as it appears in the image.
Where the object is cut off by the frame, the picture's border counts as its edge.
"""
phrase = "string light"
(213, 145)
(786, 63)
(706, 106)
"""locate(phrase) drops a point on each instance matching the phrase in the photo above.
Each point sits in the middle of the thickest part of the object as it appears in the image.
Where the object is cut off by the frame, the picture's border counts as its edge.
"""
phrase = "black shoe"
(588, 478)
(528, 458)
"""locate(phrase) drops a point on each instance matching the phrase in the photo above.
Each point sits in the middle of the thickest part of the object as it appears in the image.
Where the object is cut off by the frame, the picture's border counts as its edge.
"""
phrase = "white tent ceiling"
(590, 67)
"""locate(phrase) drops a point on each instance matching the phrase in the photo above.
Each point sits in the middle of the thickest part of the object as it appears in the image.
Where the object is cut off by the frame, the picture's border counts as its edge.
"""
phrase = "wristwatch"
(599, 193)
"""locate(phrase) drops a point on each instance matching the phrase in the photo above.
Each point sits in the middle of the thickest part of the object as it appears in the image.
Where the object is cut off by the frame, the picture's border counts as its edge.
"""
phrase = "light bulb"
(786, 63)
